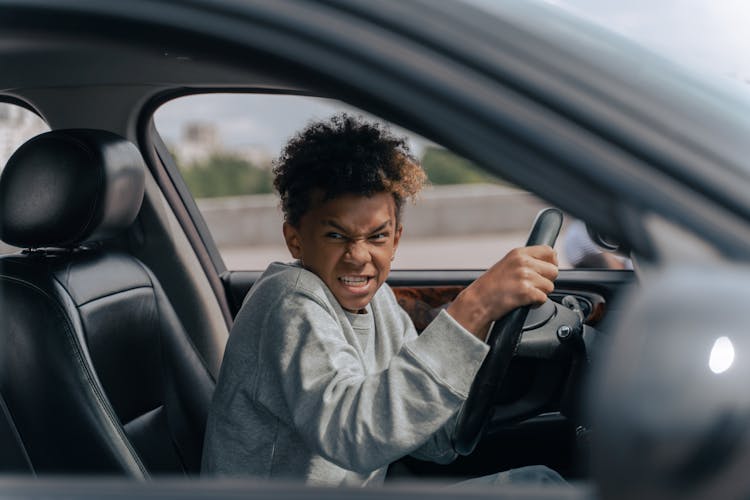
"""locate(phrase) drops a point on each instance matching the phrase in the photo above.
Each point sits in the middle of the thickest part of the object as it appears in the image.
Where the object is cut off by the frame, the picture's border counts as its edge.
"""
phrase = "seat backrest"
(13, 456)
(96, 369)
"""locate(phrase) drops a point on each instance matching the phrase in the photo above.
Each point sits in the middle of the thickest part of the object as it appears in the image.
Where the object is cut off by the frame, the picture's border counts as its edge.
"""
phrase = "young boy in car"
(324, 378)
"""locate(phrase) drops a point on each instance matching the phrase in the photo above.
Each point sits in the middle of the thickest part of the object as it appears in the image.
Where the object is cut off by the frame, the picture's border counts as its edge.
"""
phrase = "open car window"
(224, 146)
(17, 125)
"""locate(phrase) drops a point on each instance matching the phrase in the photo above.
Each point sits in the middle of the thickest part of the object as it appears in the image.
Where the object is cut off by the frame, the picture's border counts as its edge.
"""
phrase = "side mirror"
(606, 242)
(668, 398)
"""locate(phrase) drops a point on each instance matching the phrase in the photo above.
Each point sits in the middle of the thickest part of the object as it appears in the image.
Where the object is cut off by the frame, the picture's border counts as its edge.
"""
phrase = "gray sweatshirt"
(311, 392)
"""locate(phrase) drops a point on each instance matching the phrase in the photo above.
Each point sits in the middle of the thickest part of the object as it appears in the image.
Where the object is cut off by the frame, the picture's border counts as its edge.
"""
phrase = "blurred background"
(224, 145)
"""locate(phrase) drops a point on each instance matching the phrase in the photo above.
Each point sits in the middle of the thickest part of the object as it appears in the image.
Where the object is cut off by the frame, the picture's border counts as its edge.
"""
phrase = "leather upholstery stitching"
(74, 343)
(151, 277)
(90, 374)
(142, 415)
(164, 361)
(139, 287)
(164, 372)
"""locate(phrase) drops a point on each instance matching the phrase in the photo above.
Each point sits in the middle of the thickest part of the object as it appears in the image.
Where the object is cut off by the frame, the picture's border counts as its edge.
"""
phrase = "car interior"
(115, 302)
(132, 391)
(99, 345)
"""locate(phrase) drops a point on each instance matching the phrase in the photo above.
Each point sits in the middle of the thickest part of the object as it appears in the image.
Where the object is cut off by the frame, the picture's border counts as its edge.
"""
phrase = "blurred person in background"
(582, 252)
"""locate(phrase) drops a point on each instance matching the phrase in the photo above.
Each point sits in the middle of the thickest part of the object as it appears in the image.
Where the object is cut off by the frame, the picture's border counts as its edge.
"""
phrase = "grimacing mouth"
(354, 280)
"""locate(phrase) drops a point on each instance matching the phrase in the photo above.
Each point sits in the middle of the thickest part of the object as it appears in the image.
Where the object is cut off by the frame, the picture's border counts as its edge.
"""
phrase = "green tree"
(224, 174)
(444, 167)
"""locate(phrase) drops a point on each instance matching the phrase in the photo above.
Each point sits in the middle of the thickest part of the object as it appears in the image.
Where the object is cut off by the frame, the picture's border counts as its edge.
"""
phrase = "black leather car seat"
(97, 374)
(13, 457)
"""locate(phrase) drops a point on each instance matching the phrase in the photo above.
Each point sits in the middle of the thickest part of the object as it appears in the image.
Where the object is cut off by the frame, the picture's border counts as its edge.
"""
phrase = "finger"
(539, 298)
(542, 252)
(540, 288)
(533, 289)
(546, 286)
(546, 270)
(532, 296)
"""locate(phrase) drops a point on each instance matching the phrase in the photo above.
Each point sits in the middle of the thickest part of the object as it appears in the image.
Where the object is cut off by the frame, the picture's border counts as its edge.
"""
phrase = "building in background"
(199, 141)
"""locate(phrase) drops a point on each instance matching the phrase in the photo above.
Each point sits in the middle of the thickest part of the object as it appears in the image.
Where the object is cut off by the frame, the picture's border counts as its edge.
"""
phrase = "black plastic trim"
(149, 145)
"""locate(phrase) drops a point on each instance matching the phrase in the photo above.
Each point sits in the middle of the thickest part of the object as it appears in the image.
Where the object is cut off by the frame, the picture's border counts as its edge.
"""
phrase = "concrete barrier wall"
(7, 249)
(440, 211)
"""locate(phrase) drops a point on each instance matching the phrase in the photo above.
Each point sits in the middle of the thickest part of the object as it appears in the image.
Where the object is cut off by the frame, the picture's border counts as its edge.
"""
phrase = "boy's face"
(349, 243)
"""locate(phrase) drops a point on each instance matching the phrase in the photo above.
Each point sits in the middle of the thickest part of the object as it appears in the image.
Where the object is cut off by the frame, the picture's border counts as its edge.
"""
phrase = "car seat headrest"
(68, 187)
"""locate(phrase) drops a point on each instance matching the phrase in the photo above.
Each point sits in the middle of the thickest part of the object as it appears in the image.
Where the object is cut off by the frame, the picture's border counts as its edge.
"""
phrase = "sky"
(709, 35)
(259, 121)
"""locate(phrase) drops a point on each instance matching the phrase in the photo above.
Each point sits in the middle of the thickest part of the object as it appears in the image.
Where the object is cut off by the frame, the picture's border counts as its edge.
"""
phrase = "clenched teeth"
(353, 280)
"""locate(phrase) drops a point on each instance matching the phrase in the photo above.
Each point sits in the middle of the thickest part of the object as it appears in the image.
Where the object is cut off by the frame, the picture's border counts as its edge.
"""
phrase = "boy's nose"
(358, 252)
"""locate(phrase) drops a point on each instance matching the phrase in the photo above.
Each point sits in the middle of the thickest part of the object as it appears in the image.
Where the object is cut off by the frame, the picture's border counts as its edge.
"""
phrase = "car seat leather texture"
(97, 374)
(64, 188)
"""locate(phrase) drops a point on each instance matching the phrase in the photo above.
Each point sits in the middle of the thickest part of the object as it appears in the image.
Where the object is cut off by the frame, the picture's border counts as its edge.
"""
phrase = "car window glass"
(706, 36)
(17, 125)
(224, 145)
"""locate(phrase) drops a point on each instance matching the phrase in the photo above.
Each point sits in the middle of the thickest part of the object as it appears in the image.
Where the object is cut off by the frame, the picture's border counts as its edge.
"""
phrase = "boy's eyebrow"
(339, 227)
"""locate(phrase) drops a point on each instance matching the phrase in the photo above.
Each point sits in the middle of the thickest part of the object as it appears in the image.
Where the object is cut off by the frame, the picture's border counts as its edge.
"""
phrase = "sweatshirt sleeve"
(439, 447)
(361, 421)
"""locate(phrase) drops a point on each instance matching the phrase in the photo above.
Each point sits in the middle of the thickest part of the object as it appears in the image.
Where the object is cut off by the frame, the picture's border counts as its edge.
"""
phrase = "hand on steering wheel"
(503, 340)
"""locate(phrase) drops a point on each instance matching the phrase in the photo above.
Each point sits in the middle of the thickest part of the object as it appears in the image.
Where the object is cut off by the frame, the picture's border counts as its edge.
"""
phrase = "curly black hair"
(344, 155)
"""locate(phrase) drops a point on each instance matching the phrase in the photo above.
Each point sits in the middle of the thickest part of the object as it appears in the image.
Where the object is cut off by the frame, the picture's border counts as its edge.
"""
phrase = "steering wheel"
(503, 341)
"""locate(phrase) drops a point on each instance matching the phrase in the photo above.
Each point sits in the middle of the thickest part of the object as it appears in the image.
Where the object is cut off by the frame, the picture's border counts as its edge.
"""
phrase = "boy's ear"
(292, 238)
(397, 236)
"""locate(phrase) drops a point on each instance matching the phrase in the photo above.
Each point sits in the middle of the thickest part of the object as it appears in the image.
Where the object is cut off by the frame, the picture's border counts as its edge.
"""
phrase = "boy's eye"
(335, 236)
(379, 236)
